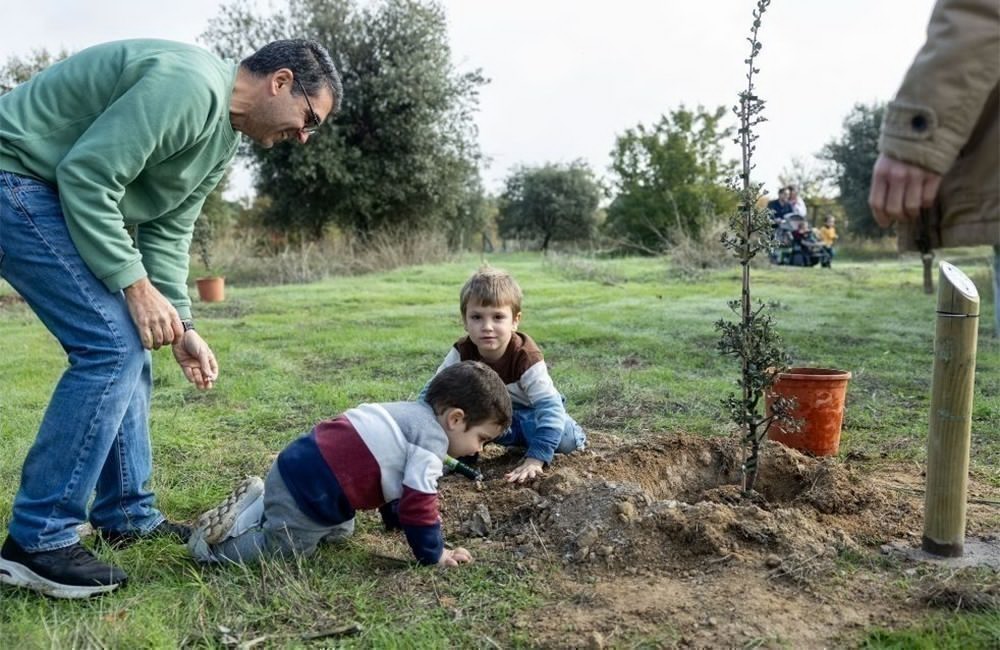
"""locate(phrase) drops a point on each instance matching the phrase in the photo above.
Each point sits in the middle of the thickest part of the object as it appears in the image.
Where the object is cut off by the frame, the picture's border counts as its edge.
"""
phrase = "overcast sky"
(567, 76)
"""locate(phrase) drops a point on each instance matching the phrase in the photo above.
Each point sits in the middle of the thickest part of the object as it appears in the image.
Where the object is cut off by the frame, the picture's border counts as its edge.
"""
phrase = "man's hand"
(155, 318)
(527, 470)
(900, 190)
(196, 360)
(454, 557)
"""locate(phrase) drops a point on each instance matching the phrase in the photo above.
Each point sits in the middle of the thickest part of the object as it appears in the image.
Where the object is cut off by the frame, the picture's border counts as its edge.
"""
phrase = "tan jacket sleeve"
(944, 91)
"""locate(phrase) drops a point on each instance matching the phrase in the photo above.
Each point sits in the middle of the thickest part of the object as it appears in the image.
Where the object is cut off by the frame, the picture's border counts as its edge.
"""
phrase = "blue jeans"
(523, 426)
(94, 437)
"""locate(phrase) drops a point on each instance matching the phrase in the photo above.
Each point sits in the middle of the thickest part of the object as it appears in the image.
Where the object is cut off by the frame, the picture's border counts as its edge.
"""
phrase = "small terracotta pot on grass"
(819, 395)
(211, 289)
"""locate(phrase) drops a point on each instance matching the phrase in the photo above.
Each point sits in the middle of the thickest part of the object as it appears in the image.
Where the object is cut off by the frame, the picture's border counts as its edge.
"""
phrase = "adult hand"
(527, 470)
(196, 360)
(454, 557)
(155, 318)
(899, 190)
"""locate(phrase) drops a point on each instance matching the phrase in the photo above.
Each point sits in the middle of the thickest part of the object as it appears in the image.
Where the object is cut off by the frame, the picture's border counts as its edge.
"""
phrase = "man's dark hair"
(309, 62)
(476, 389)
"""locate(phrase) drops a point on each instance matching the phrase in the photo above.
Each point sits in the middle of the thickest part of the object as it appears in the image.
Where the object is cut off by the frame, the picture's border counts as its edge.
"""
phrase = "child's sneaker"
(241, 511)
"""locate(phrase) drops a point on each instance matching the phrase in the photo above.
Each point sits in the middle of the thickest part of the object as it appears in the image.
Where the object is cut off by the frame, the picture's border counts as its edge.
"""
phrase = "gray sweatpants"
(284, 530)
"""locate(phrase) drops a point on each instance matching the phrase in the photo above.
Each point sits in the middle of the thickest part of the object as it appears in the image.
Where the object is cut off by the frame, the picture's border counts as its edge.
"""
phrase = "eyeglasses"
(312, 126)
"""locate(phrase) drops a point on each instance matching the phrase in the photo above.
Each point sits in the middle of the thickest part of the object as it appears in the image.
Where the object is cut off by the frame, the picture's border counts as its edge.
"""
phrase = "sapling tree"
(217, 214)
(204, 238)
(752, 338)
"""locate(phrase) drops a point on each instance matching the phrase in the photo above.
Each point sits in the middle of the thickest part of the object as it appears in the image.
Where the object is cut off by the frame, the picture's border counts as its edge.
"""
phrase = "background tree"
(18, 69)
(852, 157)
(552, 202)
(670, 179)
(402, 151)
(472, 221)
(809, 176)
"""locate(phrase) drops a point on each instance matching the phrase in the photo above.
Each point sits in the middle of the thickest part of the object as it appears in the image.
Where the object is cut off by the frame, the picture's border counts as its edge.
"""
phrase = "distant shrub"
(863, 249)
(256, 257)
(575, 267)
(691, 257)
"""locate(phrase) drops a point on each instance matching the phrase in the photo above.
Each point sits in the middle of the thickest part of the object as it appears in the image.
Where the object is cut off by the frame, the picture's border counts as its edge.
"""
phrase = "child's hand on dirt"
(454, 557)
(527, 470)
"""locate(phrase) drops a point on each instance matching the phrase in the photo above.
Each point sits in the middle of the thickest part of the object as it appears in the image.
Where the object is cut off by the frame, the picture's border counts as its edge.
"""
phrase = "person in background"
(828, 236)
(794, 200)
(780, 208)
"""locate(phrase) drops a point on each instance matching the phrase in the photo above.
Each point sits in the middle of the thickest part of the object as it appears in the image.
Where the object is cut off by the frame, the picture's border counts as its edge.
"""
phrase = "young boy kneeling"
(490, 304)
(385, 456)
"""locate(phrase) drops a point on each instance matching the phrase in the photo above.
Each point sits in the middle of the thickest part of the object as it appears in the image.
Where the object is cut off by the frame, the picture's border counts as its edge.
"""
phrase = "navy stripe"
(426, 542)
(312, 483)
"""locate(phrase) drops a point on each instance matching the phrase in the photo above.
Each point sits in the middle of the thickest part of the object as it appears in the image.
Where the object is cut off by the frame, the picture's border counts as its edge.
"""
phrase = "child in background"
(490, 304)
(385, 456)
(828, 235)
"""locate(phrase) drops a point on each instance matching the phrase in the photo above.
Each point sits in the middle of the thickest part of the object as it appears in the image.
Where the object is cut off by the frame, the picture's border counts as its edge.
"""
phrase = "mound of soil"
(658, 531)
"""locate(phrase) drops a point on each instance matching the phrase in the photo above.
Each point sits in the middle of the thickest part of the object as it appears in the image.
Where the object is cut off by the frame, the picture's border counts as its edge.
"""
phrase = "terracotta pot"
(819, 394)
(211, 289)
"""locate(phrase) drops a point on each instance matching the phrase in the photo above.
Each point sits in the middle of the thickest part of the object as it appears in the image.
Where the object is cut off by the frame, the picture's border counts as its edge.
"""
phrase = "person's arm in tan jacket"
(936, 108)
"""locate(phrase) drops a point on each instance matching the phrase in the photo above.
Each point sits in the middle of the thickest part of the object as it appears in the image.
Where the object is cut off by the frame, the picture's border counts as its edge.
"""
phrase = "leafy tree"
(670, 179)
(853, 156)
(17, 70)
(811, 179)
(552, 202)
(475, 212)
(402, 150)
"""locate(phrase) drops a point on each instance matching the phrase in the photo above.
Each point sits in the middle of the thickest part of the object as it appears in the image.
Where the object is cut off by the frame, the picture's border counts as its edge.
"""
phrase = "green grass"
(631, 342)
(944, 632)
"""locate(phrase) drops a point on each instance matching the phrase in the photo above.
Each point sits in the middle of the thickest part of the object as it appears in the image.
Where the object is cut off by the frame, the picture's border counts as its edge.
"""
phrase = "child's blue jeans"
(523, 426)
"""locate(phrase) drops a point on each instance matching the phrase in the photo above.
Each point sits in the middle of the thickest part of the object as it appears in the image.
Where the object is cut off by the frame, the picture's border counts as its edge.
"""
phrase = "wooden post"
(928, 260)
(951, 413)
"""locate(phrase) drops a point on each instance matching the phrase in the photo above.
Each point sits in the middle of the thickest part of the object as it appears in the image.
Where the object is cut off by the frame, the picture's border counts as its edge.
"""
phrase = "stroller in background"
(795, 247)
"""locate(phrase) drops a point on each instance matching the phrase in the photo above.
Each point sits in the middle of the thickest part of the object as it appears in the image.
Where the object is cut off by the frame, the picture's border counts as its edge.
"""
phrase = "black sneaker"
(166, 530)
(70, 572)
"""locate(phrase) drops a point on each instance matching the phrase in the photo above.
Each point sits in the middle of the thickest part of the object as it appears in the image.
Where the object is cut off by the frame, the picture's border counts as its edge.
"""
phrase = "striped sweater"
(523, 370)
(385, 456)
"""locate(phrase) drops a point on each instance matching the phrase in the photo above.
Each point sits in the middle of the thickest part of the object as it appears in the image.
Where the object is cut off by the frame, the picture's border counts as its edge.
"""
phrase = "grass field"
(630, 342)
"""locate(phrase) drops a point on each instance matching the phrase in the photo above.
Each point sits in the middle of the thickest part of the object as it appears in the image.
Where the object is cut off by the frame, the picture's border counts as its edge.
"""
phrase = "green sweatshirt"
(131, 133)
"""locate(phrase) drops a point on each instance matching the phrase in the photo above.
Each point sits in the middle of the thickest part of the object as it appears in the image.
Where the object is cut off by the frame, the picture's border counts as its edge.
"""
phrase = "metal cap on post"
(948, 440)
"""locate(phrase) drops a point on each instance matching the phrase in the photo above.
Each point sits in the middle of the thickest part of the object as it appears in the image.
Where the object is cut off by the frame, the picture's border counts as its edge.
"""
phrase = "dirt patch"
(642, 537)
(10, 300)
